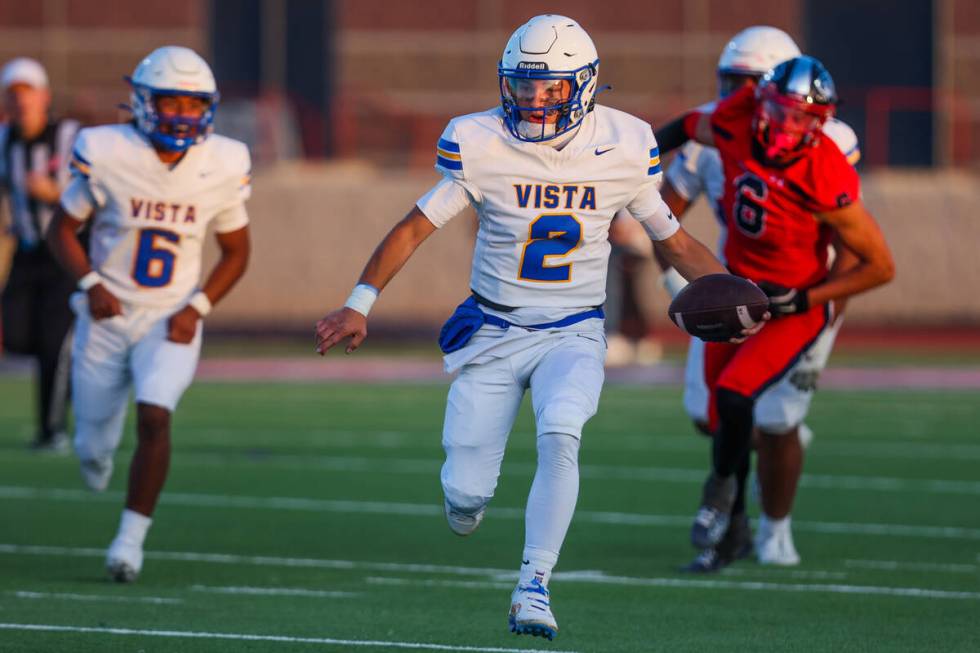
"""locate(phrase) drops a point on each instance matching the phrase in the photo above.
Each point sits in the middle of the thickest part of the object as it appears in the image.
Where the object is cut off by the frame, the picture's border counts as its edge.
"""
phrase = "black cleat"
(735, 545)
(714, 515)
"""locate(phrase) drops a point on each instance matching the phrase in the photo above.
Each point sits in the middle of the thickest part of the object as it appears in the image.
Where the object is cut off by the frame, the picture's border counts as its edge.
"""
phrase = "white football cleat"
(460, 522)
(774, 544)
(96, 472)
(124, 560)
(530, 611)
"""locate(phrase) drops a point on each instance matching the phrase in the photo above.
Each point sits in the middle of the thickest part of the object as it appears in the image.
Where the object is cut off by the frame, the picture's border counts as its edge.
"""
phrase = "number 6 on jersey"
(154, 266)
(550, 236)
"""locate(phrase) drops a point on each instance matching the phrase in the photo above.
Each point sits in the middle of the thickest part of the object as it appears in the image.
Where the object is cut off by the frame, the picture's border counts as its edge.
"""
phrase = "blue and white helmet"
(172, 70)
(538, 60)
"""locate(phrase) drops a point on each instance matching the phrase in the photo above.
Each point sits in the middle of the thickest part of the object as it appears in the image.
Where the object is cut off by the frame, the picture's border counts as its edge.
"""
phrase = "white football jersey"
(697, 169)
(544, 213)
(148, 220)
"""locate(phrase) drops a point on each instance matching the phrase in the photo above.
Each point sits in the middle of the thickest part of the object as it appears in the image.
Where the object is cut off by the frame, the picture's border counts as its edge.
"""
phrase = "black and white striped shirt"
(49, 153)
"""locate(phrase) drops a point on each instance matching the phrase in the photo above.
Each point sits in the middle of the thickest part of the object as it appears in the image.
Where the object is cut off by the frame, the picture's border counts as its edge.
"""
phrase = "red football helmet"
(795, 99)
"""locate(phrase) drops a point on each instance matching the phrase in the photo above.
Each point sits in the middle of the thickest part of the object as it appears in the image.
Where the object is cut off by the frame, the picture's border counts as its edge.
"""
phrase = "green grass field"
(308, 518)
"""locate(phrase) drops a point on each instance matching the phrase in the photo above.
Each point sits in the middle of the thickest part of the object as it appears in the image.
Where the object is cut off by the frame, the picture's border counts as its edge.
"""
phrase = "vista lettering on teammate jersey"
(552, 196)
(162, 211)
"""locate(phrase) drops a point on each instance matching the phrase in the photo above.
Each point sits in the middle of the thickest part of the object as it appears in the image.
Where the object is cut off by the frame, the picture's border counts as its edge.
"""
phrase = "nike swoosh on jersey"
(599, 152)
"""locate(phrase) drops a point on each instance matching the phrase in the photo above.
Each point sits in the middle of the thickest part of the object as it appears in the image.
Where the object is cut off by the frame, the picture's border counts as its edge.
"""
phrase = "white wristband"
(200, 303)
(672, 281)
(90, 279)
(362, 298)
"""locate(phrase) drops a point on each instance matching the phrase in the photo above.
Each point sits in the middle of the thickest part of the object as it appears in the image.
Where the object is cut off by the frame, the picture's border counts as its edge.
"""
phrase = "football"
(716, 307)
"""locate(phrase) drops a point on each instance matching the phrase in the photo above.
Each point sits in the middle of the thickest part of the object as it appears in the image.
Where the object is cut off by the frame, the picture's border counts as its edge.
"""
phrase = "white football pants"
(564, 371)
(784, 405)
(112, 355)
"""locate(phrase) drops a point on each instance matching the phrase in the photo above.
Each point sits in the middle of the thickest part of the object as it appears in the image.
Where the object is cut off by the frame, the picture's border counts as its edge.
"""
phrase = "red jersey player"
(788, 190)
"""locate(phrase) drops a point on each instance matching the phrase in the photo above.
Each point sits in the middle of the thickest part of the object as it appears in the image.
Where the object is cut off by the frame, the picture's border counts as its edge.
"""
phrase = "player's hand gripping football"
(182, 325)
(751, 331)
(102, 304)
(785, 301)
(340, 324)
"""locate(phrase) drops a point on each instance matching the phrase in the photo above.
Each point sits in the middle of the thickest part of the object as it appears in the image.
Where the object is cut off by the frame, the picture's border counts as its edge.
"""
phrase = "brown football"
(716, 307)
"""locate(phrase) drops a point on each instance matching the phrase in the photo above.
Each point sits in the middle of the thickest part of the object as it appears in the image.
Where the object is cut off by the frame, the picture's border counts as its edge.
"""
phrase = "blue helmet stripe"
(446, 163)
(449, 146)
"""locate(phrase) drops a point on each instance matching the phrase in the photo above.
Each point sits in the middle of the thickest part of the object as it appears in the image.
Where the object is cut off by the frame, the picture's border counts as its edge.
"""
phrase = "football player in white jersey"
(780, 411)
(149, 188)
(546, 171)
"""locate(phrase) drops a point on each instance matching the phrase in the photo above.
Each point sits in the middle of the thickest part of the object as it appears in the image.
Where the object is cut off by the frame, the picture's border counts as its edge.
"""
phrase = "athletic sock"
(133, 527)
(734, 439)
(550, 505)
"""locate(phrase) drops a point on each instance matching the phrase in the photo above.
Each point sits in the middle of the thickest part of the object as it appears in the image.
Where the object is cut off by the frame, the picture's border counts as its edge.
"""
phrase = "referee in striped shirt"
(34, 154)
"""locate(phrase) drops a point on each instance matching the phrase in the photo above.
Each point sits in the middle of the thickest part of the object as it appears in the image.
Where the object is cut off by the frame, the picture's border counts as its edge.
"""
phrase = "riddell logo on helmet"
(532, 65)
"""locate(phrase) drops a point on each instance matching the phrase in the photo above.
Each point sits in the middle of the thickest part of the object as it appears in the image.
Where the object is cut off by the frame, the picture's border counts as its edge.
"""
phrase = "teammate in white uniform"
(780, 410)
(546, 172)
(149, 188)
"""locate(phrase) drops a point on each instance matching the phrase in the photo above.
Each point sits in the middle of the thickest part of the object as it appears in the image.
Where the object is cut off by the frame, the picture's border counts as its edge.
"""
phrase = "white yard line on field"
(327, 641)
(494, 576)
(896, 565)
(431, 582)
(603, 579)
(24, 594)
(261, 561)
(274, 591)
(432, 510)
(422, 466)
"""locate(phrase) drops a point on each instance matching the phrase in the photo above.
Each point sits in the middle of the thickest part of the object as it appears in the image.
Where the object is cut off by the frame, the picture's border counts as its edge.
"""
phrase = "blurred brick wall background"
(401, 69)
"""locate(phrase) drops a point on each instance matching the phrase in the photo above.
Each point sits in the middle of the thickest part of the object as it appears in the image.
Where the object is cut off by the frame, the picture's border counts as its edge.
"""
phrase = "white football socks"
(133, 527)
(550, 505)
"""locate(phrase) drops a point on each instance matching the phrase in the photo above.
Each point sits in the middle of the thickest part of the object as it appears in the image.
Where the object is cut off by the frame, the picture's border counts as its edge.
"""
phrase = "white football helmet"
(172, 70)
(548, 74)
(753, 52)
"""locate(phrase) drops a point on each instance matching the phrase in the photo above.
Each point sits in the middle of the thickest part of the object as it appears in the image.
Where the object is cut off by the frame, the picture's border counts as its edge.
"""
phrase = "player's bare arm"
(844, 260)
(859, 233)
(62, 238)
(688, 256)
(235, 248)
(389, 257)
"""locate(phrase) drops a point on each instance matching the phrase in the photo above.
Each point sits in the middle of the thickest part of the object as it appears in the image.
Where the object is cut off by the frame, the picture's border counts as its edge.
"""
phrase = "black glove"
(785, 301)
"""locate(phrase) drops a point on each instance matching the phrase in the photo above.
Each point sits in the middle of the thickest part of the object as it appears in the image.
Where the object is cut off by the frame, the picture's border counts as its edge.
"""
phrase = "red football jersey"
(773, 234)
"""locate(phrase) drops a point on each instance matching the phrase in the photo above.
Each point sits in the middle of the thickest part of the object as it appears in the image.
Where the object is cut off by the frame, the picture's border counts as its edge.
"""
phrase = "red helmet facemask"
(784, 125)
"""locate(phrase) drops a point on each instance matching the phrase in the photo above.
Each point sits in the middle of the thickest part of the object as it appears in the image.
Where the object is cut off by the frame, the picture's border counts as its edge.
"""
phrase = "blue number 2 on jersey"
(550, 236)
(154, 266)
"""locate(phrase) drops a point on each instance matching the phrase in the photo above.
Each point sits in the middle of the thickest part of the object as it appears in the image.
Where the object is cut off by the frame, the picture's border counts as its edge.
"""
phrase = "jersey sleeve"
(836, 183)
(684, 173)
(454, 192)
(844, 138)
(238, 165)
(444, 201)
(647, 206)
(83, 194)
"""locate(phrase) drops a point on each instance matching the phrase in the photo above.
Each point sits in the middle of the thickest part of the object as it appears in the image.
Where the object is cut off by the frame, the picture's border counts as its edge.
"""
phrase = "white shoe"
(124, 560)
(96, 473)
(463, 523)
(774, 545)
(530, 611)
